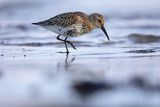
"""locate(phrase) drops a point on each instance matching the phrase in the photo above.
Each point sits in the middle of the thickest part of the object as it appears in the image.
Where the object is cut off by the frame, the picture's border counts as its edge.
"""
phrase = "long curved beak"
(104, 30)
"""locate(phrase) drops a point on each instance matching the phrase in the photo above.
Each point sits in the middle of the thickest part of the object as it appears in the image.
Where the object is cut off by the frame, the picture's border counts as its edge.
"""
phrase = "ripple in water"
(142, 38)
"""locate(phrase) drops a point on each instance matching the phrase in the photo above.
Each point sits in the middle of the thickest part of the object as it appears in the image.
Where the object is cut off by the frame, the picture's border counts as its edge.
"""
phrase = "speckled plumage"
(73, 24)
(68, 24)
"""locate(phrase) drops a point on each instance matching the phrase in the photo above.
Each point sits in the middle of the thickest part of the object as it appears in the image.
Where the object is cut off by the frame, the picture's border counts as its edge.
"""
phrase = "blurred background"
(122, 72)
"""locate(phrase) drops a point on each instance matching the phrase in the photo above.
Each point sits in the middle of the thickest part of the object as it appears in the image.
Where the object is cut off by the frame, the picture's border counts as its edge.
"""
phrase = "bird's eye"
(99, 21)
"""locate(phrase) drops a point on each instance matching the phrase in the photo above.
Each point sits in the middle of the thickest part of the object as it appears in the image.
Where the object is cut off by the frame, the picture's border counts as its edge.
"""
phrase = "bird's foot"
(67, 52)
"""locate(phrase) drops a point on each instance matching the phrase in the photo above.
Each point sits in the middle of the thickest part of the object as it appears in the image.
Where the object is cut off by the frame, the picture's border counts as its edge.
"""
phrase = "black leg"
(66, 45)
(71, 45)
(66, 41)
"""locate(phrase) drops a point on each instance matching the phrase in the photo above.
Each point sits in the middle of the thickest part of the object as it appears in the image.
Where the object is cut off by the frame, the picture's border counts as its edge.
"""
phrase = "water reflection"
(66, 64)
(69, 61)
(87, 78)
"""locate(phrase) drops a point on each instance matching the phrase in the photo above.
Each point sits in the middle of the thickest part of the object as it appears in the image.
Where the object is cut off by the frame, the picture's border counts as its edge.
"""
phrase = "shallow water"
(34, 71)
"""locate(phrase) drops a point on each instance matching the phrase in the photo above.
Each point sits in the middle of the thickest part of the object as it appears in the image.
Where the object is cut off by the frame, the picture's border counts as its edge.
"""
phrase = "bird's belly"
(54, 29)
(65, 31)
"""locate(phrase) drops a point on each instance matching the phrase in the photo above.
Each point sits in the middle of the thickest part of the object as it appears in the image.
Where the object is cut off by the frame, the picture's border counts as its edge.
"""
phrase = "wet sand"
(40, 76)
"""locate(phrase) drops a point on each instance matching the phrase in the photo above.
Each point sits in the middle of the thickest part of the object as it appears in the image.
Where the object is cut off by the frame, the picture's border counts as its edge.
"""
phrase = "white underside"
(63, 30)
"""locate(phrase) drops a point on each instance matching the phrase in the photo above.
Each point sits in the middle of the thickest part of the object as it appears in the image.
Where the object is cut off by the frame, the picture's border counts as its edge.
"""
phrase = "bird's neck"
(91, 19)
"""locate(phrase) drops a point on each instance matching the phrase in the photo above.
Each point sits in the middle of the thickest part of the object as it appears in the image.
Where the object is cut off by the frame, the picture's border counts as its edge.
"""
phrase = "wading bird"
(73, 24)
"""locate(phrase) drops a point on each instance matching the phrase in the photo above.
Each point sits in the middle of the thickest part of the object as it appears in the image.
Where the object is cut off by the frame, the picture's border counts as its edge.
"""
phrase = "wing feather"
(63, 20)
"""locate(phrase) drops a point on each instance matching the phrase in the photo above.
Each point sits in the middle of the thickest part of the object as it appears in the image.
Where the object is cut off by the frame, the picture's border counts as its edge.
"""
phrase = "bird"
(73, 24)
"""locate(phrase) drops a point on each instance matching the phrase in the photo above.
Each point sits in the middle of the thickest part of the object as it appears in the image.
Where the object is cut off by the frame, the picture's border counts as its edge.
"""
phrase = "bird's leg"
(70, 43)
(66, 45)
(66, 41)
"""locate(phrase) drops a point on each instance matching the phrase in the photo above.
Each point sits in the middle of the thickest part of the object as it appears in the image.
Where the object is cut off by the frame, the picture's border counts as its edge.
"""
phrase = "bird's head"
(97, 21)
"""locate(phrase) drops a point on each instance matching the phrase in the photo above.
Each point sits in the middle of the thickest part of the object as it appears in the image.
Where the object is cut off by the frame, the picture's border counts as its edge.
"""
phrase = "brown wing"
(63, 20)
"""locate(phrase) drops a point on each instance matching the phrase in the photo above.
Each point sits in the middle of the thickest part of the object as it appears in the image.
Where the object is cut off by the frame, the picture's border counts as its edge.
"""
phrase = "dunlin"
(73, 24)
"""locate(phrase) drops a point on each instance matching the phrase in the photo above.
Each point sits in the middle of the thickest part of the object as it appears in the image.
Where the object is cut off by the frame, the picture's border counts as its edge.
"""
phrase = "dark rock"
(90, 87)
